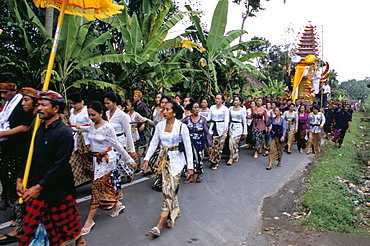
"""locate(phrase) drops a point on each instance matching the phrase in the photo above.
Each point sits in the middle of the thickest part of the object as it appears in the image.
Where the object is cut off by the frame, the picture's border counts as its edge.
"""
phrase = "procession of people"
(106, 139)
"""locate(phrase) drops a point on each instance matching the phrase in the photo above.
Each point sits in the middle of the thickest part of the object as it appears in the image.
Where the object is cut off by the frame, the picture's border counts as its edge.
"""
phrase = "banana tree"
(25, 43)
(218, 47)
(150, 55)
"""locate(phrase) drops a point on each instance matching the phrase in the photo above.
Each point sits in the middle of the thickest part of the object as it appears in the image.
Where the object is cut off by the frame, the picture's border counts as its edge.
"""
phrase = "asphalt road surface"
(222, 210)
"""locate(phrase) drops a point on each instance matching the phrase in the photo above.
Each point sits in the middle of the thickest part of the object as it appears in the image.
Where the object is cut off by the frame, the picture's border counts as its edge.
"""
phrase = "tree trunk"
(49, 20)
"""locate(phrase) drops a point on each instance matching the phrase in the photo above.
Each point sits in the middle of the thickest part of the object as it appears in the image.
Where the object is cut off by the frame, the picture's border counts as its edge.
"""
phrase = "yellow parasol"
(91, 10)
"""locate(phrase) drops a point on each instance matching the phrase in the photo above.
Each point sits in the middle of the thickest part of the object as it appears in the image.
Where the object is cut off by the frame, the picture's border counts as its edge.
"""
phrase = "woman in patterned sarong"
(237, 128)
(219, 122)
(200, 139)
(81, 167)
(103, 141)
(277, 133)
(260, 118)
(174, 140)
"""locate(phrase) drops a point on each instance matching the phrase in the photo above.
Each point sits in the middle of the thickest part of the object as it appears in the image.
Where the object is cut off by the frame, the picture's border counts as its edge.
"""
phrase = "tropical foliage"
(354, 89)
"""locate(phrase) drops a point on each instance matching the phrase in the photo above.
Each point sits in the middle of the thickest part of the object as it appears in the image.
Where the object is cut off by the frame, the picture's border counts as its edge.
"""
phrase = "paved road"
(222, 210)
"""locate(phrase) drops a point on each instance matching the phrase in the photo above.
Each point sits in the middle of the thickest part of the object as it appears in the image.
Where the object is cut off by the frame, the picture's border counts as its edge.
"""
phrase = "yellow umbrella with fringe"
(91, 10)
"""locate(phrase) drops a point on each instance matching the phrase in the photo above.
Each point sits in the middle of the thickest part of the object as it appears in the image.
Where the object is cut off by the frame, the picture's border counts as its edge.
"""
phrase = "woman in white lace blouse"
(103, 140)
(169, 134)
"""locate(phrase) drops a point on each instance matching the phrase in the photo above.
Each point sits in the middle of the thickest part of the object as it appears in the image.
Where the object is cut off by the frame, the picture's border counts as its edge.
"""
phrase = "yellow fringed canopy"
(90, 9)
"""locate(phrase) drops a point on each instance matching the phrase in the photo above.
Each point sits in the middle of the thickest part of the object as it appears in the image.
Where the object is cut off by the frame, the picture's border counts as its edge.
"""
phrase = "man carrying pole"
(50, 192)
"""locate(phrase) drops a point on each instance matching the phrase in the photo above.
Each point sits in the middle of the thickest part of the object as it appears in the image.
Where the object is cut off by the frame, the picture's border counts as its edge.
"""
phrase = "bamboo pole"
(45, 87)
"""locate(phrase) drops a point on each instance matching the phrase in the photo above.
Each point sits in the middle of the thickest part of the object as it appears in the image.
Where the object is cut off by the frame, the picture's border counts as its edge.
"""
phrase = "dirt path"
(278, 227)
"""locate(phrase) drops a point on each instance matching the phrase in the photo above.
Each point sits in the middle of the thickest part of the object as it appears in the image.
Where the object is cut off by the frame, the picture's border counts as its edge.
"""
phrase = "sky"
(342, 27)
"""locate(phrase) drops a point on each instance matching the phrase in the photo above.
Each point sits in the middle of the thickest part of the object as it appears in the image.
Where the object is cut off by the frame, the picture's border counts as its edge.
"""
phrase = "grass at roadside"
(331, 204)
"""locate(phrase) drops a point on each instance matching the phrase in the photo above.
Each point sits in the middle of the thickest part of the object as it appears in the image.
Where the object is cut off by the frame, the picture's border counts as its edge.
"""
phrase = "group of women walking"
(181, 136)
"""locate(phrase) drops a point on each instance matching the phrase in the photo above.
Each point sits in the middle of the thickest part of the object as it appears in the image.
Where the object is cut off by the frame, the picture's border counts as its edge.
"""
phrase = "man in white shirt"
(326, 94)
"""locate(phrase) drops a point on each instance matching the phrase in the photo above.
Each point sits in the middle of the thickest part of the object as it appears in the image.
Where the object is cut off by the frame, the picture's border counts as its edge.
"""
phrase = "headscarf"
(51, 95)
(29, 91)
(138, 93)
(8, 86)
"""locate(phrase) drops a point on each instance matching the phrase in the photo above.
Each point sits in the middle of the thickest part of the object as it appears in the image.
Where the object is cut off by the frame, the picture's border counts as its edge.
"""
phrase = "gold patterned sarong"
(275, 149)
(170, 187)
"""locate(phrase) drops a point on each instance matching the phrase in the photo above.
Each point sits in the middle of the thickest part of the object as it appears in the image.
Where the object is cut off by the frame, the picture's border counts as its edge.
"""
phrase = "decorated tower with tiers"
(307, 77)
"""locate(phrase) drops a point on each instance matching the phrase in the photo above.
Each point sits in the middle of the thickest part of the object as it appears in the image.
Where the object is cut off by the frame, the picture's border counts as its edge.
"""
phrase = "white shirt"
(326, 89)
(176, 158)
(249, 113)
(316, 120)
(80, 118)
(220, 117)
(238, 122)
(134, 131)
(100, 140)
(121, 124)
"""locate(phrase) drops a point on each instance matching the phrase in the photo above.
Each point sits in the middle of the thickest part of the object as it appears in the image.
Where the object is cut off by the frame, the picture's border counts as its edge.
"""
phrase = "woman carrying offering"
(174, 140)
(237, 128)
(200, 139)
(277, 131)
(103, 140)
(291, 117)
(219, 118)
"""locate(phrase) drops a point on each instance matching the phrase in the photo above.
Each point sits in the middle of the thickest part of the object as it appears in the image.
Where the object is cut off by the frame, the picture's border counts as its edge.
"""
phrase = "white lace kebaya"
(100, 140)
(176, 158)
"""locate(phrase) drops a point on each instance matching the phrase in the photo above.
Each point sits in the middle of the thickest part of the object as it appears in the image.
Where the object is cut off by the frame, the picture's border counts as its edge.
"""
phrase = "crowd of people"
(99, 143)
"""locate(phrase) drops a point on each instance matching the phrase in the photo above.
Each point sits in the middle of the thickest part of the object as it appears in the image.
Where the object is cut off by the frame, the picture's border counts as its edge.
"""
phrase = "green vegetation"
(332, 206)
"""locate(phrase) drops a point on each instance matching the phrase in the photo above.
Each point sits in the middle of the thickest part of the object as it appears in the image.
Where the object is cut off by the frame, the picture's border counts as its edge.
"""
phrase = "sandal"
(188, 181)
(155, 231)
(199, 178)
(85, 231)
(236, 159)
(214, 167)
(229, 162)
(268, 168)
(13, 224)
(116, 213)
(279, 164)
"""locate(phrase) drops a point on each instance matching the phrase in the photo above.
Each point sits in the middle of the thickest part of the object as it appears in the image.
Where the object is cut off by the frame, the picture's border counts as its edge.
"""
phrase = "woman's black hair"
(76, 97)
(190, 106)
(300, 106)
(222, 96)
(276, 104)
(159, 93)
(203, 100)
(111, 97)
(240, 99)
(166, 97)
(98, 107)
(179, 96)
(126, 102)
(316, 107)
(119, 99)
(177, 109)
(292, 104)
(191, 100)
